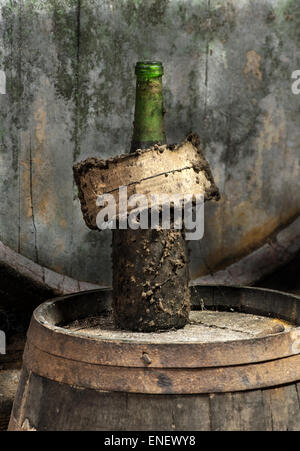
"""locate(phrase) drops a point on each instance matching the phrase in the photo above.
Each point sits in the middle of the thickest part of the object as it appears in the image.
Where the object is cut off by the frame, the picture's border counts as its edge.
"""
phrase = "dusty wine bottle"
(150, 277)
(148, 126)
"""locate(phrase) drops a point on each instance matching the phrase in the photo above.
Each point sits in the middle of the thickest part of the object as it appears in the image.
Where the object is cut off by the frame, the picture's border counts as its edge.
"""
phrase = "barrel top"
(205, 326)
(174, 348)
(265, 358)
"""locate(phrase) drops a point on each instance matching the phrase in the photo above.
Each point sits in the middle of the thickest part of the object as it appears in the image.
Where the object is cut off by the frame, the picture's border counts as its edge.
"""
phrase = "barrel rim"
(163, 380)
(68, 345)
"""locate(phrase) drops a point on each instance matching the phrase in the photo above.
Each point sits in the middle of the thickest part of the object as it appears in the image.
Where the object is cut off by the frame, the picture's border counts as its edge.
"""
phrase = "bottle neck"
(149, 126)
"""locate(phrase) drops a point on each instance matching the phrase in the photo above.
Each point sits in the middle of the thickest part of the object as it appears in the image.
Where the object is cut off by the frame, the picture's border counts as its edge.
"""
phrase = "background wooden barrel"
(71, 381)
(70, 95)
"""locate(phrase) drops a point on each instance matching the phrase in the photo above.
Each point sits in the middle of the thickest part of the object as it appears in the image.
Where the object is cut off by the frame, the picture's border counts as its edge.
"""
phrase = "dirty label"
(133, 212)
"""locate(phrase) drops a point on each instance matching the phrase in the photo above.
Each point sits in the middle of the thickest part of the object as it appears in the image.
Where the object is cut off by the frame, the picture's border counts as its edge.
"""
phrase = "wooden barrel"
(229, 80)
(74, 378)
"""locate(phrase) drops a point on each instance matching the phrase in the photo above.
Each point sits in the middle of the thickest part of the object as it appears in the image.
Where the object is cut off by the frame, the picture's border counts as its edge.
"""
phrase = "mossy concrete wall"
(70, 95)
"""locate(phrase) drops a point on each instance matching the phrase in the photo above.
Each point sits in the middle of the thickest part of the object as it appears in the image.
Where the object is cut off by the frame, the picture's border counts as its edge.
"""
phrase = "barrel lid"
(186, 367)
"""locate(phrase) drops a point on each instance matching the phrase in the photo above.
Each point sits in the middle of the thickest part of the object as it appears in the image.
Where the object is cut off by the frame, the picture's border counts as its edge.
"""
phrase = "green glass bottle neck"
(149, 111)
(145, 70)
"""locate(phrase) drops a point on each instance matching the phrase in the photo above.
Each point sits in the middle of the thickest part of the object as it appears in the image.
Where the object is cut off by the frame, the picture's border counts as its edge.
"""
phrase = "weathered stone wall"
(70, 95)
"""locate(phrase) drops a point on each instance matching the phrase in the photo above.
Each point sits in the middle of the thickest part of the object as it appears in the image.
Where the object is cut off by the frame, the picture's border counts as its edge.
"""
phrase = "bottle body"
(150, 277)
(149, 126)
